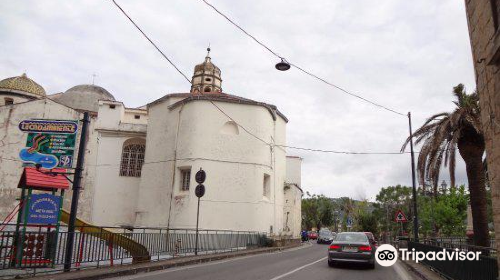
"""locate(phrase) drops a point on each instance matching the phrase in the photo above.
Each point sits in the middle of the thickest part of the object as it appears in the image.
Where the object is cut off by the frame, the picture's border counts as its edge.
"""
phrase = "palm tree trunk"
(478, 199)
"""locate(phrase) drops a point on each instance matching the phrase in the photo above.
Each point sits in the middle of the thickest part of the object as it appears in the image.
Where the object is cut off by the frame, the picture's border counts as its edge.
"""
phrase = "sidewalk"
(421, 271)
(115, 271)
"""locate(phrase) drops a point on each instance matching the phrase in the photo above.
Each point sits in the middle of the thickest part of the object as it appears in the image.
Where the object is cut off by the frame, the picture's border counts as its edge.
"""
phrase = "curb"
(418, 273)
(101, 273)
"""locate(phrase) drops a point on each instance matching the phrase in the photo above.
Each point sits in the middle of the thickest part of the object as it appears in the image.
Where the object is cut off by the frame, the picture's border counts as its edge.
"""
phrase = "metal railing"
(43, 251)
(485, 268)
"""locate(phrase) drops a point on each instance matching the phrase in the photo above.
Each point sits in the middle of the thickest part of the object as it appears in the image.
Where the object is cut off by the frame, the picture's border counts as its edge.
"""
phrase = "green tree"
(445, 214)
(389, 200)
(368, 222)
(317, 211)
(440, 135)
(451, 212)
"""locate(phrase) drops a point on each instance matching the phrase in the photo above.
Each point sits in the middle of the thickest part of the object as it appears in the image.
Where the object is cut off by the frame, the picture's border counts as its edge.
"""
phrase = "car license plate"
(350, 249)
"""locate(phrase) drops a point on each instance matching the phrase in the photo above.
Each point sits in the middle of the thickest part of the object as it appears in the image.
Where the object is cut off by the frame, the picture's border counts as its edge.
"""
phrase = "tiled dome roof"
(22, 83)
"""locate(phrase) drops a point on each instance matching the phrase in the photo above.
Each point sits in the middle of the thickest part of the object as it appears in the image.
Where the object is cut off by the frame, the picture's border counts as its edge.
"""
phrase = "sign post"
(349, 223)
(76, 192)
(401, 218)
(200, 192)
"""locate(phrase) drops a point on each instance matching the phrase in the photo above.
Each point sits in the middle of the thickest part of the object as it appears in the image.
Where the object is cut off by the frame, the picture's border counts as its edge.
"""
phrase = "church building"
(140, 162)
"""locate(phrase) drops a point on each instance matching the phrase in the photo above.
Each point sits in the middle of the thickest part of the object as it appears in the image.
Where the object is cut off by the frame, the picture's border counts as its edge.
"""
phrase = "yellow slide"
(138, 251)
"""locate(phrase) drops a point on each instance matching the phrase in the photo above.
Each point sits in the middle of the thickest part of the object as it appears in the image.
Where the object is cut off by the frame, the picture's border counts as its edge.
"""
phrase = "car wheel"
(371, 265)
(331, 263)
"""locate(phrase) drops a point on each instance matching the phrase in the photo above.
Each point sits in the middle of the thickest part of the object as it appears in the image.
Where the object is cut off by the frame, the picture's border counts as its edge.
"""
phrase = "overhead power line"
(151, 41)
(299, 67)
(239, 125)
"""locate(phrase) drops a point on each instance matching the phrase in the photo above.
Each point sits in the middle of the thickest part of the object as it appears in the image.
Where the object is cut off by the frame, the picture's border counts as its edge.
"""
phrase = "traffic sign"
(199, 190)
(200, 176)
(400, 217)
(349, 222)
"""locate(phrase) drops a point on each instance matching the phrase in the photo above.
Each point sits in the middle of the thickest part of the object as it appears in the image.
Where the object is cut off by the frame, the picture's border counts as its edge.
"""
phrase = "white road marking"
(210, 263)
(297, 269)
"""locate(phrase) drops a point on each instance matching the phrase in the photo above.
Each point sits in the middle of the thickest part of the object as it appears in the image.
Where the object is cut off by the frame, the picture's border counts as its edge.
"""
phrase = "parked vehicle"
(325, 236)
(372, 239)
(313, 235)
(304, 235)
(351, 247)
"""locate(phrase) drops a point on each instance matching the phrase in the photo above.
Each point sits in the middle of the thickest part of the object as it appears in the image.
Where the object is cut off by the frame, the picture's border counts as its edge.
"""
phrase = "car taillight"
(334, 247)
(365, 248)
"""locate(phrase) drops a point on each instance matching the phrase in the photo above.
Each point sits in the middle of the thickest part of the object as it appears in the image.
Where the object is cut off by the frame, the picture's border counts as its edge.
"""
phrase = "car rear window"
(351, 237)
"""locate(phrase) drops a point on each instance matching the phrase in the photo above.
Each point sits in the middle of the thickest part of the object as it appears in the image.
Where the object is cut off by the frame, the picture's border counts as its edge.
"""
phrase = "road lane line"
(209, 263)
(297, 269)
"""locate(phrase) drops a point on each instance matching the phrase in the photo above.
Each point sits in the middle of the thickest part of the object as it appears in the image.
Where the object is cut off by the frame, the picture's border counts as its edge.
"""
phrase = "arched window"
(132, 157)
(207, 89)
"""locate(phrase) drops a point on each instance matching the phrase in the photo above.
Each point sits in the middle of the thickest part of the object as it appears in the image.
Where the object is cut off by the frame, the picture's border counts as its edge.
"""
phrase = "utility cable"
(151, 41)
(299, 67)
(274, 53)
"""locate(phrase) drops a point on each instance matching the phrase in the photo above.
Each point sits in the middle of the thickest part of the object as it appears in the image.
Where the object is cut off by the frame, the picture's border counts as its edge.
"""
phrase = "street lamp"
(443, 187)
(283, 65)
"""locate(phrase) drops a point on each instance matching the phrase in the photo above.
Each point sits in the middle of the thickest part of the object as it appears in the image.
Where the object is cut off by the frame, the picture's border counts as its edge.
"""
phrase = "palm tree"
(440, 136)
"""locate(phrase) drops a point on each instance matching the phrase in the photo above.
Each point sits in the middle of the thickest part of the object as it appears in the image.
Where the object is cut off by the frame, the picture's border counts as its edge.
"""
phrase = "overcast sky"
(406, 55)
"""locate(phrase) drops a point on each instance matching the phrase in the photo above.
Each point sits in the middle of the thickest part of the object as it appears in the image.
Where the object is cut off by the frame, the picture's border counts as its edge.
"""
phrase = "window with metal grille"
(185, 179)
(132, 158)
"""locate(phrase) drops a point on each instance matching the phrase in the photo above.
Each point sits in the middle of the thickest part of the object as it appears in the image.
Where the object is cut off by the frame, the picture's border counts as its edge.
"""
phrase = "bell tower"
(206, 77)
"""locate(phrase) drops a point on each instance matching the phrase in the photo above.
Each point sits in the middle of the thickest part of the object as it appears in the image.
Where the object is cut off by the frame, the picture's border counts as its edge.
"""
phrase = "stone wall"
(483, 20)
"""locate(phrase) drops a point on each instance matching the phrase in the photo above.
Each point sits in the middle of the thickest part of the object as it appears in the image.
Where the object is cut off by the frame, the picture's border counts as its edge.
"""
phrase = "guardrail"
(43, 250)
(485, 268)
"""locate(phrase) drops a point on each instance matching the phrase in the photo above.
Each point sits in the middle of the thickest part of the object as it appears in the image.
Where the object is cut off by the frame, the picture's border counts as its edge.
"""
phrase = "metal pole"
(413, 178)
(76, 192)
(197, 220)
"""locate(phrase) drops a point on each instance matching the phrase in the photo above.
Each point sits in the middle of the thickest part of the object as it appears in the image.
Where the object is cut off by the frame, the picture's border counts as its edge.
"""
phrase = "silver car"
(353, 247)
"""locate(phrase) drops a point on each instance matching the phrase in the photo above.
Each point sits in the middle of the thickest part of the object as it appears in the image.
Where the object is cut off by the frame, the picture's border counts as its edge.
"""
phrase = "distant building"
(140, 162)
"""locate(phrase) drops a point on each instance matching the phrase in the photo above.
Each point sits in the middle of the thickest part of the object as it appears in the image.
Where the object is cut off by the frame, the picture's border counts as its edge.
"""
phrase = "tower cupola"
(206, 77)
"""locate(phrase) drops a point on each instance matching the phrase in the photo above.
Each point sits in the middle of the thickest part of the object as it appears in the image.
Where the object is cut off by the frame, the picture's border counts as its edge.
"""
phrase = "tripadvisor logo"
(443, 255)
(387, 255)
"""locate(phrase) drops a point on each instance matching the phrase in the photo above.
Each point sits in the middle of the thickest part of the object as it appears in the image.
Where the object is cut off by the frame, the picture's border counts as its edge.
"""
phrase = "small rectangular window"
(112, 106)
(137, 117)
(8, 101)
(266, 189)
(185, 179)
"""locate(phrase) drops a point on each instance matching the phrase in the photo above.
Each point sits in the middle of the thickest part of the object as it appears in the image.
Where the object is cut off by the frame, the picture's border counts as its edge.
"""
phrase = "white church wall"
(154, 192)
(293, 170)
(293, 195)
(235, 165)
(115, 196)
(14, 97)
(110, 114)
(135, 116)
(292, 214)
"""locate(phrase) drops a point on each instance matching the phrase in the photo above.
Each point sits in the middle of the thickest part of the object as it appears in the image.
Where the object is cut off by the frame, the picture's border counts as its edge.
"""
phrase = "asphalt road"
(307, 262)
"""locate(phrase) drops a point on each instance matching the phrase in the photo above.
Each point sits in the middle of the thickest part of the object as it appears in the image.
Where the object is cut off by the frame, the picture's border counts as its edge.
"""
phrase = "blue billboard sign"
(43, 209)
